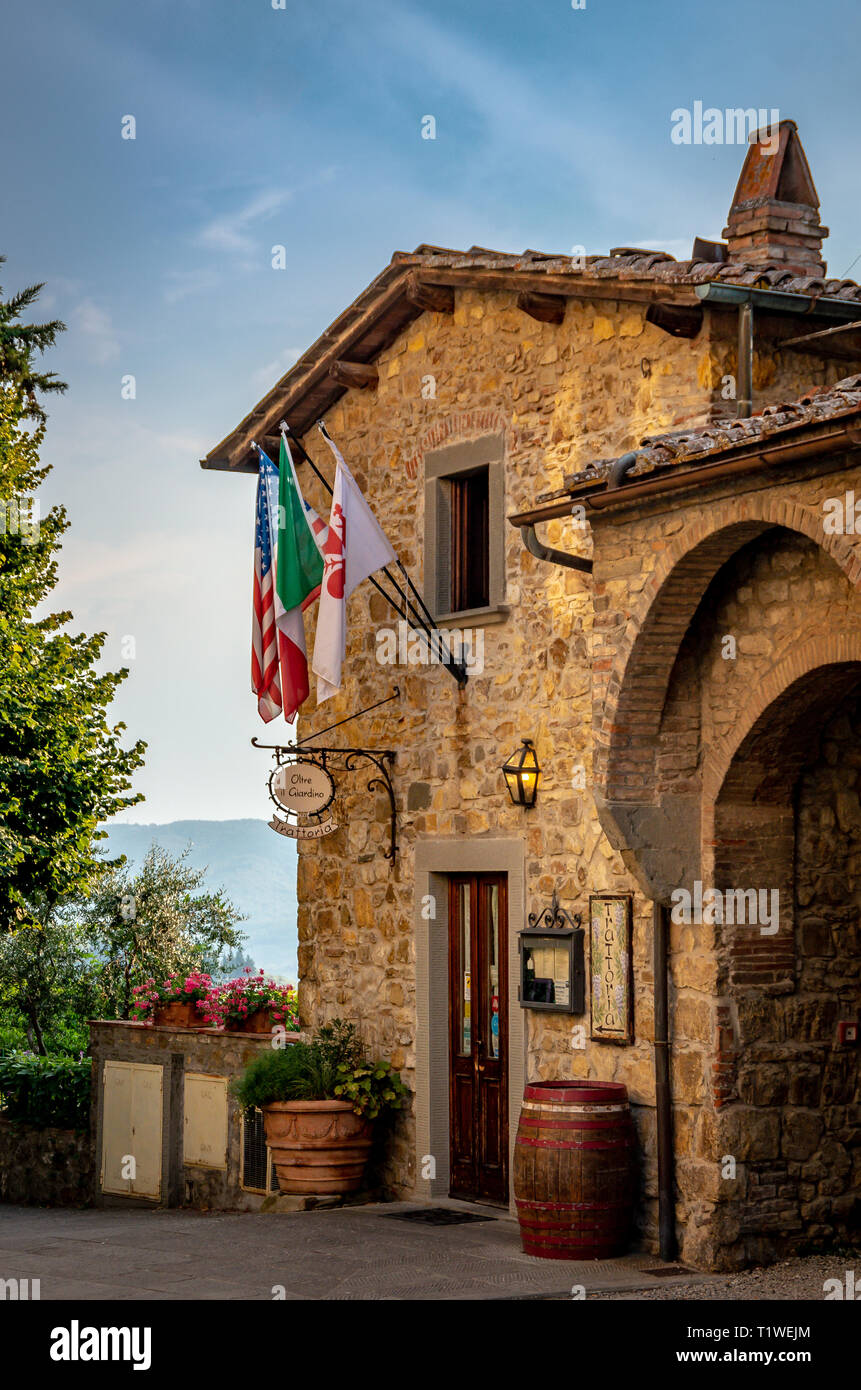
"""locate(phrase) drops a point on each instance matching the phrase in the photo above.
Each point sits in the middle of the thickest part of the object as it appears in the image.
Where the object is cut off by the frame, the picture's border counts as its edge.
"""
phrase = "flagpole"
(452, 666)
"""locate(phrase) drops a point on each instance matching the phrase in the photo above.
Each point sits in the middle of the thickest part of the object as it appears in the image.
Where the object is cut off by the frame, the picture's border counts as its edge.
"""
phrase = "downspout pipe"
(548, 553)
(621, 466)
(663, 1096)
(744, 409)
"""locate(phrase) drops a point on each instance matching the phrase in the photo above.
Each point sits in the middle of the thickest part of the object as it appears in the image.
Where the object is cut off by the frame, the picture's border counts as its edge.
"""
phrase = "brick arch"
(835, 652)
(748, 813)
(629, 697)
(463, 425)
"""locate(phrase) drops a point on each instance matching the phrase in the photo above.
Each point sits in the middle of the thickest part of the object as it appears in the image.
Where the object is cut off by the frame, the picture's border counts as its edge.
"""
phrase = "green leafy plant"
(46, 1091)
(332, 1066)
(371, 1087)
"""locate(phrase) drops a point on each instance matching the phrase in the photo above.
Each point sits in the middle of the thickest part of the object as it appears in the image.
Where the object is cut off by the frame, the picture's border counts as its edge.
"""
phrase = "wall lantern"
(522, 773)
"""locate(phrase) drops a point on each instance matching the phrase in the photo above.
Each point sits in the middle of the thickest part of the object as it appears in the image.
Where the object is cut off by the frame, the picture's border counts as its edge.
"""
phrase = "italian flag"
(298, 576)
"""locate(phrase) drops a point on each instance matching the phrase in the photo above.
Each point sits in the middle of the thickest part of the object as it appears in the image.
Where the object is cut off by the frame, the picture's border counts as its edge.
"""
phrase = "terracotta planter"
(258, 1022)
(178, 1015)
(317, 1146)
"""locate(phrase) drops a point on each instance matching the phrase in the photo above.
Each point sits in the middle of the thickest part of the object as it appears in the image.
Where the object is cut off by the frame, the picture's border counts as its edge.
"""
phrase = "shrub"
(46, 1091)
(333, 1066)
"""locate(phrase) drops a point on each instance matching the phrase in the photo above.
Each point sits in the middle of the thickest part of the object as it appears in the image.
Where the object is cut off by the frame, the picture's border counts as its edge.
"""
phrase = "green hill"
(255, 867)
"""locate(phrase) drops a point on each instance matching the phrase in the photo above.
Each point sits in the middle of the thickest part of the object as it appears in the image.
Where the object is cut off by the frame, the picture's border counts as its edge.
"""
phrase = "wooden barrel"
(574, 1169)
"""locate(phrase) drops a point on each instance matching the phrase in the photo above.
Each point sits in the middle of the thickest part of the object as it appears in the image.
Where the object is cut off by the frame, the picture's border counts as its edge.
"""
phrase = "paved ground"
(365, 1252)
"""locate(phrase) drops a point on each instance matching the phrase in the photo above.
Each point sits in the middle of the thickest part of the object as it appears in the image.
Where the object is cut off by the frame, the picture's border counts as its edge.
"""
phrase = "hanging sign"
(612, 996)
(313, 831)
(303, 787)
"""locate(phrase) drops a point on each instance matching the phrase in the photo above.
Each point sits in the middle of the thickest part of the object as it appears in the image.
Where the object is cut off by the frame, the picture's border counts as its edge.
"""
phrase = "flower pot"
(178, 1015)
(318, 1146)
(258, 1022)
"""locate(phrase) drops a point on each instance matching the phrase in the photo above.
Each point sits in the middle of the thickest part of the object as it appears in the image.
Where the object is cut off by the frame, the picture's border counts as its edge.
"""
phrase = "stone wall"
(798, 1119)
(45, 1167)
(561, 396)
(726, 635)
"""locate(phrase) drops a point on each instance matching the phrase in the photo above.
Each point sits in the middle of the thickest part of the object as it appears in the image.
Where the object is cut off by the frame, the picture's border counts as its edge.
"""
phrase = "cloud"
(265, 377)
(231, 232)
(96, 329)
(182, 283)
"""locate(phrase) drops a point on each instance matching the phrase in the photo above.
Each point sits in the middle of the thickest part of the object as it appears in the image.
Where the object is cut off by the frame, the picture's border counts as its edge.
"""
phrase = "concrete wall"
(178, 1050)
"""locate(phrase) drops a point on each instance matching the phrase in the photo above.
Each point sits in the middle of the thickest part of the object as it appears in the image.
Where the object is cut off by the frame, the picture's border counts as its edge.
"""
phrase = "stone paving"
(345, 1253)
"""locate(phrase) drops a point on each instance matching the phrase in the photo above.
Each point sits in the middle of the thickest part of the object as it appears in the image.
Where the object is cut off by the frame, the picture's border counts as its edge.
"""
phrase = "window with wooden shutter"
(470, 541)
(465, 530)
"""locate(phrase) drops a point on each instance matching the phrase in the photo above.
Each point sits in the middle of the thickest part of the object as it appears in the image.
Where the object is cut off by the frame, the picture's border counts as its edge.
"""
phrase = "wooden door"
(478, 1036)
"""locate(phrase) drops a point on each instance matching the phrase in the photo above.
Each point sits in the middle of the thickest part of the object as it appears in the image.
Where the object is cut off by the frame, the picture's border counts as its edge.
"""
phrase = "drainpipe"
(620, 468)
(745, 361)
(663, 1098)
(547, 552)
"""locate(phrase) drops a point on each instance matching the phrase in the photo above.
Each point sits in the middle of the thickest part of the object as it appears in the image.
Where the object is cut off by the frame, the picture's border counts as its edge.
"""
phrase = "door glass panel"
(494, 1021)
(465, 1030)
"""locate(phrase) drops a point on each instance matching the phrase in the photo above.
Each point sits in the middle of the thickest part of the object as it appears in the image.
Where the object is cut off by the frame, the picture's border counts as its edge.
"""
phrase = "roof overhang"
(392, 301)
(798, 443)
(377, 318)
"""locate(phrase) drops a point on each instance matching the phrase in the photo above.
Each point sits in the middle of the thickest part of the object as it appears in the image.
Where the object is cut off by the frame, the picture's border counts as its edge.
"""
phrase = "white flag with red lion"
(355, 547)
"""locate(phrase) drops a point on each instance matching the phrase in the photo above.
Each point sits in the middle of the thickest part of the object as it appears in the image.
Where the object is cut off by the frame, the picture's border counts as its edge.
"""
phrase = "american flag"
(265, 680)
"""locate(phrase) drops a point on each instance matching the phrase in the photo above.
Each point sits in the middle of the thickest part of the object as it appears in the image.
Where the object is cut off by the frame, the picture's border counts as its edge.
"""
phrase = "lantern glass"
(521, 773)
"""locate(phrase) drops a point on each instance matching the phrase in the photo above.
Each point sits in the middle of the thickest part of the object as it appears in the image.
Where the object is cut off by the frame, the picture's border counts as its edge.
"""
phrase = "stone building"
(682, 644)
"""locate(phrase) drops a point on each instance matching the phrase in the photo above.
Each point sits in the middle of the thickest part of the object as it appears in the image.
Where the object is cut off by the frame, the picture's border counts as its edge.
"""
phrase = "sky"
(300, 126)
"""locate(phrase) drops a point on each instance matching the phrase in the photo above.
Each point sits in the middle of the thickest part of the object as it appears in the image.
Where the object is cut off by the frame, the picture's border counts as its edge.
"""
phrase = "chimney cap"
(782, 174)
(774, 218)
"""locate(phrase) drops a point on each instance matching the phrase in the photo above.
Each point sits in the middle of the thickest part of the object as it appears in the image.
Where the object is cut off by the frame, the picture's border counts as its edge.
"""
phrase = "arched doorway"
(787, 854)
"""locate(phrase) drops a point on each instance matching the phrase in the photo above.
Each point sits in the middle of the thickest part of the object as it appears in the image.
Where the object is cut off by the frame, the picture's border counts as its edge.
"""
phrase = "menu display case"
(552, 970)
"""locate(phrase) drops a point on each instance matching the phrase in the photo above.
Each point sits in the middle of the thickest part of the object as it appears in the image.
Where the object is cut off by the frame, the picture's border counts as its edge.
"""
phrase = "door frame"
(435, 860)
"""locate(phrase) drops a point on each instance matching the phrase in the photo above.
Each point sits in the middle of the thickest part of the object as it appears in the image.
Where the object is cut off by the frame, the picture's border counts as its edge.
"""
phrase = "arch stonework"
(632, 677)
(661, 838)
(832, 649)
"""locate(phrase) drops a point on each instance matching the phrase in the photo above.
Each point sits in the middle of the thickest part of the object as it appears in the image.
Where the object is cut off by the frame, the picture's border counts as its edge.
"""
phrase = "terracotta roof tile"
(663, 451)
(654, 266)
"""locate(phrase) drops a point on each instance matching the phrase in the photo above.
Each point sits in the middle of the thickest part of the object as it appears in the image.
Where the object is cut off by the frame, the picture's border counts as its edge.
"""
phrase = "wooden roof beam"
(358, 374)
(547, 308)
(437, 299)
(679, 320)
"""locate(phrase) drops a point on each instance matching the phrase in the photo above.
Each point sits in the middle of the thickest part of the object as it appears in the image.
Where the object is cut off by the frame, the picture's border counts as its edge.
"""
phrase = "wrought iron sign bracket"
(553, 918)
(348, 759)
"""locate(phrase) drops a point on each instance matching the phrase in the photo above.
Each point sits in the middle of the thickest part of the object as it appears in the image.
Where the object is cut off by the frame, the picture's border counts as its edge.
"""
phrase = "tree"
(229, 965)
(18, 344)
(62, 768)
(47, 975)
(153, 923)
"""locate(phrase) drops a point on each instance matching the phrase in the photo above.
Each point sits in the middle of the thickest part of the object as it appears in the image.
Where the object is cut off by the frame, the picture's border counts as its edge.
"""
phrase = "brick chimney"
(774, 218)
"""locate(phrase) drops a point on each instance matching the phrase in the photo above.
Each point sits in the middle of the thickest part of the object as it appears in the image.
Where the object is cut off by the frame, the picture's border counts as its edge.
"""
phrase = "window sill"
(475, 617)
